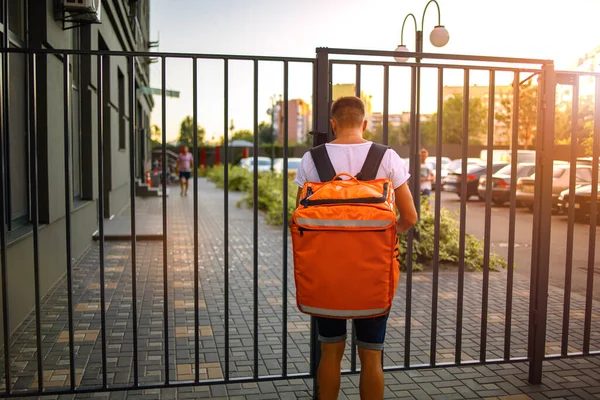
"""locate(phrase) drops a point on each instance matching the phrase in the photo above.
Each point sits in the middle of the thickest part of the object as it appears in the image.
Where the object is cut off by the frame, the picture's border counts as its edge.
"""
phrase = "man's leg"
(371, 374)
(181, 183)
(370, 335)
(332, 335)
(329, 373)
(187, 184)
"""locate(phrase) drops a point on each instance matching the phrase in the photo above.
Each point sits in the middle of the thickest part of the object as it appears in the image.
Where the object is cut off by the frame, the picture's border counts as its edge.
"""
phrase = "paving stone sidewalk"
(572, 378)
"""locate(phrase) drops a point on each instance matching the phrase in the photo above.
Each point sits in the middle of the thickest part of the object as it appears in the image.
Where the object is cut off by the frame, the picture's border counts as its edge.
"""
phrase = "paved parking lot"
(578, 377)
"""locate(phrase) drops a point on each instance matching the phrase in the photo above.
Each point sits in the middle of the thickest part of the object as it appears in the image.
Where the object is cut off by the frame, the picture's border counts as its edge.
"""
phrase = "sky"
(558, 30)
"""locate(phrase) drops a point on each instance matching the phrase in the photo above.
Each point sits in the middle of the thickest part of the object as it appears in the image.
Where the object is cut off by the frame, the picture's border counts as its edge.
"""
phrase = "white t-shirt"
(350, 158)
(426, 171)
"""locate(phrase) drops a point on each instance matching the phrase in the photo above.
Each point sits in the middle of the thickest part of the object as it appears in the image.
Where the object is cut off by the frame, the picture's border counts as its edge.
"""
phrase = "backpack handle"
(344, 174)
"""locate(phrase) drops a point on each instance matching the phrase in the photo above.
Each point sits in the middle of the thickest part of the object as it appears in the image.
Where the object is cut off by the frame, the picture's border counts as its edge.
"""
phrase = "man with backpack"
(377, 166)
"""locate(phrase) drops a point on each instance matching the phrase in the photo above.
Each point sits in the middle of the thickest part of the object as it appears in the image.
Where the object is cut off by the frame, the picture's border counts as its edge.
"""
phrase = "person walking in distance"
(348, 153)
(426, 174)
(185, 163)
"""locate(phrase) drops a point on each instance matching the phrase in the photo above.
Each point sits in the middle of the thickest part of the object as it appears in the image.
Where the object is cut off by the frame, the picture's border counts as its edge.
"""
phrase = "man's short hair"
(348, 112)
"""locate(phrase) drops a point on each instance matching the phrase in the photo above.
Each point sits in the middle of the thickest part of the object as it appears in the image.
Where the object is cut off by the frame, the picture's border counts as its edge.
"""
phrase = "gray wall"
(45, 32)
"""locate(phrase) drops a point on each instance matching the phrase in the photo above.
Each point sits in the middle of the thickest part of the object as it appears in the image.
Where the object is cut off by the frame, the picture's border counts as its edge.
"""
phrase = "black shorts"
(185, 174)
(369, 332)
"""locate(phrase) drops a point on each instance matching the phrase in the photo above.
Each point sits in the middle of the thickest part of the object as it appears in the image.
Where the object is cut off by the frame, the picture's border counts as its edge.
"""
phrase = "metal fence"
(322, 66)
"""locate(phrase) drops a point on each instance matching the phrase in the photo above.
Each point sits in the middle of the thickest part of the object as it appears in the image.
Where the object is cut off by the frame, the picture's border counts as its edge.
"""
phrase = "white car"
(293, 164)
(433, 162)
(264, 164)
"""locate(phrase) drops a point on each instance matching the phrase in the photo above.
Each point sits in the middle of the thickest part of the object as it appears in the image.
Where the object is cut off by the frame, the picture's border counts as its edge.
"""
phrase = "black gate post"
(540, 256)
(321, 135)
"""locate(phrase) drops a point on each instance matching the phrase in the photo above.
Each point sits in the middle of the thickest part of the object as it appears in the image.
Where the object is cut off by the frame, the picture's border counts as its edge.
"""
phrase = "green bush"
(423, 243)
(270, 201)
(240, 179)
(270, 197)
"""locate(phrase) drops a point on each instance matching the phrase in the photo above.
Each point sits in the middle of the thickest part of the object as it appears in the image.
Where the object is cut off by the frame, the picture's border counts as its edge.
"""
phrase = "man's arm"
(406, 209)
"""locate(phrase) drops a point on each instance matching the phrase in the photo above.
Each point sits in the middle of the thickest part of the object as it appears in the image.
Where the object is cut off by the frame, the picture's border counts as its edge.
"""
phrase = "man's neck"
(349, 136)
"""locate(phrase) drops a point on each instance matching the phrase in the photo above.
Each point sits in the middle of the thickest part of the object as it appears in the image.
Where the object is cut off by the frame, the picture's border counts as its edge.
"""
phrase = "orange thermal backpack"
(344, 238)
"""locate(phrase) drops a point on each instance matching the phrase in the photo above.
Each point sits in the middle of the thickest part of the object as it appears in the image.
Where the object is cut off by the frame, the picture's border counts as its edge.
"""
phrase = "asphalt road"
(523, 239)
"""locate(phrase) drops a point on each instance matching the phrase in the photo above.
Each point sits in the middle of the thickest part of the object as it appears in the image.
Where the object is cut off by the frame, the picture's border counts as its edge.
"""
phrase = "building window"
(122, 139)
(16, 137)
(76, 118)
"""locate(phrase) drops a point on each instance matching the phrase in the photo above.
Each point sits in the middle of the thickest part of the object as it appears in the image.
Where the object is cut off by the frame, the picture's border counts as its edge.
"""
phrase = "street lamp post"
(274, 110)
(438, 37)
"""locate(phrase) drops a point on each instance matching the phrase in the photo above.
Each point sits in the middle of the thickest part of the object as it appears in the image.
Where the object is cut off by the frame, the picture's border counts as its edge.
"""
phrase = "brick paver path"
(573, 378)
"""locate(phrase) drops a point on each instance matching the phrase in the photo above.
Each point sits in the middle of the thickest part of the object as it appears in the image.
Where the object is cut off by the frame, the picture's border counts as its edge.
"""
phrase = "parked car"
(432, 161)
(455, 165)
(453, 182)
(523, 156)
(586, 161)
(264, 164)
(560, 182)
(582, 201)
(501, 185)
(293, 164)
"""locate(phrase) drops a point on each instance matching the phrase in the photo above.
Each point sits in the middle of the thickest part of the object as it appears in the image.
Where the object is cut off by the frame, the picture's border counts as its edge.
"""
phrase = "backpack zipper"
(309, 193)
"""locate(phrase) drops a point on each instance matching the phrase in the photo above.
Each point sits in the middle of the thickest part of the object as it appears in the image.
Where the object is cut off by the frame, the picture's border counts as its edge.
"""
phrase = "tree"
(452, 122)
(155, 136)
(186, 132)
(527, 114)
(265, 133)
(243, 134)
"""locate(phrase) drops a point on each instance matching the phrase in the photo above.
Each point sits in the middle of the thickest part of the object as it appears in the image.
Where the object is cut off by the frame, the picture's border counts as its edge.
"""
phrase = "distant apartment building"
(501, 131)
(299, 121)
(349, 89)
(394, 120)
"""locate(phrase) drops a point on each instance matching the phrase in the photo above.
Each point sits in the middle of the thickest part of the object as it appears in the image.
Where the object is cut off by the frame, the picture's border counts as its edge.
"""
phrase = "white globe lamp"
(439, 36)
(401, 48)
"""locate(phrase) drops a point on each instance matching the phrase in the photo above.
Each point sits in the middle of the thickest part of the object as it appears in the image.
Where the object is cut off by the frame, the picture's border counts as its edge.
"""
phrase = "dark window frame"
(16, 39)
(121, 106)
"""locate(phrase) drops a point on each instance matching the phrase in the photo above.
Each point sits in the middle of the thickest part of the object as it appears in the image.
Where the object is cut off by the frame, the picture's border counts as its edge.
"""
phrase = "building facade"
(51, 24)
(299, 121)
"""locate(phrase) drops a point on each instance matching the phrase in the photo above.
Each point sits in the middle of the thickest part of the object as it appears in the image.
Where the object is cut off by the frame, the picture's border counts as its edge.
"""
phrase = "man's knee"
(333, 349)
(368, 356)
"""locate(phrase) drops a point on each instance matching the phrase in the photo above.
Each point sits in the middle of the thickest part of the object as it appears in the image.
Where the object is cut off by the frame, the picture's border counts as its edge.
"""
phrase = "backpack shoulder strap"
(372, 162)
(322, 163)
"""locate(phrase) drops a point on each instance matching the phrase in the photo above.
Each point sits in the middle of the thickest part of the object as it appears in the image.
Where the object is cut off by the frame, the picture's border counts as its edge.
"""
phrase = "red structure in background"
(245, 153)
(217, 156)
(203, 157)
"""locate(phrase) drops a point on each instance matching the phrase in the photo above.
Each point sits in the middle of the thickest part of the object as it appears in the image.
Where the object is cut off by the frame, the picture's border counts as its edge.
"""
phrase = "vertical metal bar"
(3, 222)
(543, 208)
(195, 194)
(358, 81)
(488, 218)
(437, 217)
(284, 283)
(512, 217)
(463, 220)
(35, 213)
(6, 110)
(593, 220)
(132, 99)
(255, 220)
(226, 209)
(386, 104)
(322, 95)
(100, 97)
(164, 216)
(564, 348)
(67, 149)
(352, 330)
(411, 233)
